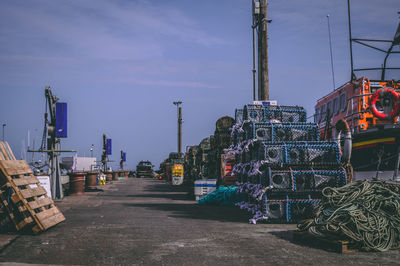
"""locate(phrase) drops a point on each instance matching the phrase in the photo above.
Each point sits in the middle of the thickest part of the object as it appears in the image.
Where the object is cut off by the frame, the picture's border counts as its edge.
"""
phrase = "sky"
(120, 64)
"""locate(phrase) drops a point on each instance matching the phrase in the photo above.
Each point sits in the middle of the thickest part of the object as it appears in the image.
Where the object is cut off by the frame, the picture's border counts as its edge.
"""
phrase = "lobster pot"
(280, 132)
(297, 154)
(318, 179)
(254, 113)
(291, 114)
(266, 113)
(237, 136)
(288, 210)
(238, 116)
(318, 154)
(244, 174)
(298, 180)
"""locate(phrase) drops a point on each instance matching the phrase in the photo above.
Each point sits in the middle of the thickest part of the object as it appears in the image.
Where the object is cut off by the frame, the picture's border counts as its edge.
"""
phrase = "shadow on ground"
(194, 211)
(289, 236)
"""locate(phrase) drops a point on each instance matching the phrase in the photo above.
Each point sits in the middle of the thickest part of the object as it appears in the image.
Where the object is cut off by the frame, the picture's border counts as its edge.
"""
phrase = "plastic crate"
(280, 132)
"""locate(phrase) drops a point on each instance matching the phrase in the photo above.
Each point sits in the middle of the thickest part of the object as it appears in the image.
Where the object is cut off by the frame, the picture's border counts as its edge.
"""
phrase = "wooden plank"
(2, 156)
(32, 192)
(40, 203)
(41, 216)
(52, 220)
(15, 167)
(10, 152)
(23, 181)
(340, 246)
(4, 151)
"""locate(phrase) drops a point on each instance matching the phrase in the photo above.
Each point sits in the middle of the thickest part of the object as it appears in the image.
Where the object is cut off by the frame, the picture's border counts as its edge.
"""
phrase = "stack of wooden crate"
(22, 197)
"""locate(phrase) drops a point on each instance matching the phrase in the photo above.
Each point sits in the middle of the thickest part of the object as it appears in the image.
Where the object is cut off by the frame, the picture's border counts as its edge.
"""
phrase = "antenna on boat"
(369, 43)
(353, 77)
(330, 48)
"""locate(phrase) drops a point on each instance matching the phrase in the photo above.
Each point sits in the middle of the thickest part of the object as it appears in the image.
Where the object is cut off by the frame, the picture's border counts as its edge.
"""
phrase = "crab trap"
(288, 210)
(272, 113)
(238, 116)
(321, 153)
(280, 132)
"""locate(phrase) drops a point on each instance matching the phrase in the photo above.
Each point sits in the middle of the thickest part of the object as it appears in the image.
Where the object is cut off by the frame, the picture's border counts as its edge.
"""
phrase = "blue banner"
(108, 146)
(61, 120)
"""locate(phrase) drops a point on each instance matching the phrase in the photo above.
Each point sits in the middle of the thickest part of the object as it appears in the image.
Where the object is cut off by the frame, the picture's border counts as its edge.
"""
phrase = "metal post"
(104, 157)
(254, 65)
(351, 42)
(179, 109)
(263, 84)
(180, 130)
(330, 48)
(4, 125)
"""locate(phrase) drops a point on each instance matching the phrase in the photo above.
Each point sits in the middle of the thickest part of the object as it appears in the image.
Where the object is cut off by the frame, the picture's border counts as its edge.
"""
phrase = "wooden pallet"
(340, 246)
(23, 197)
(6, 152)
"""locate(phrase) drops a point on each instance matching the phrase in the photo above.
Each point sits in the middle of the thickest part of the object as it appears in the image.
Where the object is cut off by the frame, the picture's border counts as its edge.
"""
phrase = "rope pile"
(367, 212)
(224, 195)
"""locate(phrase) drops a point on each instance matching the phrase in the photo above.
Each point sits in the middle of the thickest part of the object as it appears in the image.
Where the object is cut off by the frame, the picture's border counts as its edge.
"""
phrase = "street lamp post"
(178, 103)
(4, 125)
(91, 150)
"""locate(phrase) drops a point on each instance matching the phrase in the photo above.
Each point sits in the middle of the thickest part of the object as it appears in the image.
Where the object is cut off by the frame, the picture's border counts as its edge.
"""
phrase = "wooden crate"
(22, 196)
(336, 245)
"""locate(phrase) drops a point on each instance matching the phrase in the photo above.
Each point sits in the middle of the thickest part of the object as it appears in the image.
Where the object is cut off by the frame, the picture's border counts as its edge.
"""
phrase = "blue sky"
(120, 64)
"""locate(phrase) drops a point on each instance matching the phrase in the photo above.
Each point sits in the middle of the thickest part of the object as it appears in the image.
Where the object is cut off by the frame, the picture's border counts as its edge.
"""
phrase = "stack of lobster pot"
(281, 164)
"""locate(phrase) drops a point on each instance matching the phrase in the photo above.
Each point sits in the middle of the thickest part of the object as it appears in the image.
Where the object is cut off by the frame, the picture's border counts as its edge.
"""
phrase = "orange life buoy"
(396, 103)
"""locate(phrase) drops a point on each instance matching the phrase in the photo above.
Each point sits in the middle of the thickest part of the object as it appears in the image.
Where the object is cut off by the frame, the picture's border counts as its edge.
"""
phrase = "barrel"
(76, 183)
(109, 176)
(115, 175)
(91, 180)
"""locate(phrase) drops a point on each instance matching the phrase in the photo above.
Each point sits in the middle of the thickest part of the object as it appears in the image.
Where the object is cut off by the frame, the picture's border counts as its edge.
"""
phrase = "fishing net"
(366, 212)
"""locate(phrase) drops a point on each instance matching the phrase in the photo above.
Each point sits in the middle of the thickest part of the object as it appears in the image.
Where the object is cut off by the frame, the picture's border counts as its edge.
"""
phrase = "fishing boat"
(369, 110)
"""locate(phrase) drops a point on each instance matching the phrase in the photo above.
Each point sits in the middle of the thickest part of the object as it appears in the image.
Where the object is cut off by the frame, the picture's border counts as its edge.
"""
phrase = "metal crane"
(55, 127)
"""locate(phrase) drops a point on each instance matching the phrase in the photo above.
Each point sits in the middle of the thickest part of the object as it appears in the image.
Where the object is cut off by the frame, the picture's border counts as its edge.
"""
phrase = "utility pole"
(263, 83)
(178, 103)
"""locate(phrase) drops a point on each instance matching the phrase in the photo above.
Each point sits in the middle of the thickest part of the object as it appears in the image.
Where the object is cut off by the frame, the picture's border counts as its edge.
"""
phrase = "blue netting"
(224, 195)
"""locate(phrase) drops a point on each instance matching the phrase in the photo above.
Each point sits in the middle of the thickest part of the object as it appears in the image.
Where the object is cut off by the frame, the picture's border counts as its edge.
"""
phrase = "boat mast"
(352, 76)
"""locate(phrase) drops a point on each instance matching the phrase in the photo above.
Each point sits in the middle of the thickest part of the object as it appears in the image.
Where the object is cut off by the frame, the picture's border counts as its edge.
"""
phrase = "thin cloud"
(102, 29)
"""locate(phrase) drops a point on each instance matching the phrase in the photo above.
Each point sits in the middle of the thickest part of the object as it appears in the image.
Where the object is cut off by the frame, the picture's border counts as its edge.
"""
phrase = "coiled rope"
(366, 212)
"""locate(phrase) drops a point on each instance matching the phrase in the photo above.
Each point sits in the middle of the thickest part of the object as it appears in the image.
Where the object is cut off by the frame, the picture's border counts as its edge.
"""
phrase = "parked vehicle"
(144, 169)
